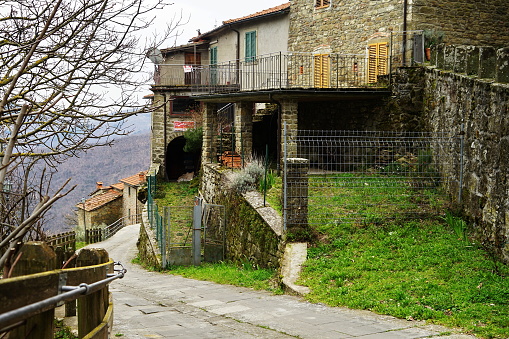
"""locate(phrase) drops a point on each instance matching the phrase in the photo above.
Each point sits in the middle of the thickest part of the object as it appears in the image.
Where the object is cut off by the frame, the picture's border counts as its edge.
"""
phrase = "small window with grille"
(322, 4)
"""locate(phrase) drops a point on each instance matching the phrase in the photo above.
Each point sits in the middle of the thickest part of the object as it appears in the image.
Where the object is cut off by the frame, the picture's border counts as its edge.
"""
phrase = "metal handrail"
(68, 293)
(114, 227)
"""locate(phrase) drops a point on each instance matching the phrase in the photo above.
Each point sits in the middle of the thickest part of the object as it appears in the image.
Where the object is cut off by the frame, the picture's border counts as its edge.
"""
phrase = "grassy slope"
(415, 270)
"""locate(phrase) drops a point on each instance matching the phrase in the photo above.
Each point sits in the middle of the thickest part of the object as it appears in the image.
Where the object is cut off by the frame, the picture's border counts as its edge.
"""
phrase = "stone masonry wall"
(107, 214)
(253, 231)
(347, 26)
(483, 107)
(464, 21)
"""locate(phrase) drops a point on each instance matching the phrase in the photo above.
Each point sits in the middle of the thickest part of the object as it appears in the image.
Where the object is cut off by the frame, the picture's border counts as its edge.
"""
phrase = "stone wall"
(347, 26)
(106, 214)
(254, 232)
(163, 131)
(148, 250)
(483, 107)
(464, 21)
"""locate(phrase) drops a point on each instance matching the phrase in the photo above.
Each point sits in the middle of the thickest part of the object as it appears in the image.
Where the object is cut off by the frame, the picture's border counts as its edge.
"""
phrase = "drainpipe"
(405, 24)
(237, 52)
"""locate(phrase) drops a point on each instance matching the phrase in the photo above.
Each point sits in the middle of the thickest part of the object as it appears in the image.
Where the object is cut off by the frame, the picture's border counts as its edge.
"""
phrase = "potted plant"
(432, 38)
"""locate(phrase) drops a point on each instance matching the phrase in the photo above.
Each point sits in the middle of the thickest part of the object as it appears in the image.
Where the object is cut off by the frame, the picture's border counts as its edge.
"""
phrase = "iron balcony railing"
(278, 71)
(300, 70)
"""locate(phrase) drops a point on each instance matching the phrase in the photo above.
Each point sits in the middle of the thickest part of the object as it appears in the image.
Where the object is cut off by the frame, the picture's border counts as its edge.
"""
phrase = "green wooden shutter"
(213, 55)
(250, 46)
(213, 65)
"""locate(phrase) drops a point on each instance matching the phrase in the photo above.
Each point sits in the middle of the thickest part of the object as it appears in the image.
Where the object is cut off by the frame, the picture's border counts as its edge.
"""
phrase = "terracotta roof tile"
(100, 200)
(135, 180)
(264, 12)
(119, 186)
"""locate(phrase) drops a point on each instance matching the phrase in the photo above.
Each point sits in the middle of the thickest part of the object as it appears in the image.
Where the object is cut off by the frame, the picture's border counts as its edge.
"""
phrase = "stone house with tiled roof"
(108, 204)
(131, 205)
(103, 208)
(178, 79)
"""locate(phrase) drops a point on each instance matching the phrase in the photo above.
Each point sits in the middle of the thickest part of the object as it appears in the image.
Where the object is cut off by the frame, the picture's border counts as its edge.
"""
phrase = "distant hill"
(129, 155)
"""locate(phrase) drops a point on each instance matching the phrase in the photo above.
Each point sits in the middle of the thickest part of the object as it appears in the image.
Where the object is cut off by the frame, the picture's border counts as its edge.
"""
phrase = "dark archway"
(179, 162)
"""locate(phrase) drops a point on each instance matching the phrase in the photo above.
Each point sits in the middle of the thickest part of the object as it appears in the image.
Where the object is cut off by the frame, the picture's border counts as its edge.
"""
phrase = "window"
(378, 55)
(251, 46)
(322, 3)
(322, 67)
(213, 55)
(213, 64)
(183, 105)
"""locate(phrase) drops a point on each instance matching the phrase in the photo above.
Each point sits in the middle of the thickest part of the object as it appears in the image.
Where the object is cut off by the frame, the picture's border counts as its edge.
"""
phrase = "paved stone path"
(155, 305)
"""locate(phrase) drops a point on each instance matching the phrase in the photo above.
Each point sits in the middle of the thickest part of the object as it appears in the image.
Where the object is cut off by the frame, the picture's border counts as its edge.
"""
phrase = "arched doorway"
(179, 162)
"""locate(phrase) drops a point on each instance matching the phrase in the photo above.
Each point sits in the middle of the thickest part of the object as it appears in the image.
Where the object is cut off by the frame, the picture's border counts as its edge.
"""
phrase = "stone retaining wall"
(469, 87)
(148, 250)
(254, 232)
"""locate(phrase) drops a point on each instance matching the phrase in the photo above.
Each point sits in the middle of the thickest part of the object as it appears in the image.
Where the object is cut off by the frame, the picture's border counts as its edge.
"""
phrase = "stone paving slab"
(155, 305)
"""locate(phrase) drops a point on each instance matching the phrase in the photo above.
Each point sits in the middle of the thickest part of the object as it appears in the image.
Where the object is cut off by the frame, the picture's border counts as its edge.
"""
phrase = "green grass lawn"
(416, 269)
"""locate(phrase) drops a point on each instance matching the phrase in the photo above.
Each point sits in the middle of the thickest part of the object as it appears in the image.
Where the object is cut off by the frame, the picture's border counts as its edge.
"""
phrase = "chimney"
(141, 176)
(99, 185)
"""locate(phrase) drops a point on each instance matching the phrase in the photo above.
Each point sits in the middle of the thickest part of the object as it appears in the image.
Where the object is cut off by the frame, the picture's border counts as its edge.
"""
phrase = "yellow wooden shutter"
(321, 76)
(378, 56)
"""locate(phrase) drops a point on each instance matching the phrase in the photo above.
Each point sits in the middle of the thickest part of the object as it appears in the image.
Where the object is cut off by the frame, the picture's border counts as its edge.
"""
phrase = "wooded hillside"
(126, 157)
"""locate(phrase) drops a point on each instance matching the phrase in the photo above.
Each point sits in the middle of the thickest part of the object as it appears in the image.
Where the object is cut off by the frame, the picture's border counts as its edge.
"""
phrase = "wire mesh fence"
(373, 176)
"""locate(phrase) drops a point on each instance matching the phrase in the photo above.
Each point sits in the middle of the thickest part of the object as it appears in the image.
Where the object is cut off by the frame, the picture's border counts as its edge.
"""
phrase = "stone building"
(335, 70)
(131, 205)
(108, 204)
(212, 61)
(103, 208)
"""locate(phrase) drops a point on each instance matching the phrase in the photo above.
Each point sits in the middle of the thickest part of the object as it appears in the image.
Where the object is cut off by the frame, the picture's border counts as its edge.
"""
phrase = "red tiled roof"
(261, 13)
(272, 10)
(119, 186)
(100, 200)
(135, 180)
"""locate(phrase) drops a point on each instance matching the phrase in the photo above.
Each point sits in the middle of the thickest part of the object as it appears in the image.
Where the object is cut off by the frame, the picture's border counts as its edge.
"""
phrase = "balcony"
(280, 71)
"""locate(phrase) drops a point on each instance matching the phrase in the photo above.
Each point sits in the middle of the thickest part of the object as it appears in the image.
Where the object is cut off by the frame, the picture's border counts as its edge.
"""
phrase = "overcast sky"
(207, 14)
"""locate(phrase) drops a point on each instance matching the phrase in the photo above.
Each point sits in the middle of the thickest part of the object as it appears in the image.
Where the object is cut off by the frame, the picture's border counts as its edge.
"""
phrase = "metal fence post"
(197, 212)
(462, 146)
(165, 242)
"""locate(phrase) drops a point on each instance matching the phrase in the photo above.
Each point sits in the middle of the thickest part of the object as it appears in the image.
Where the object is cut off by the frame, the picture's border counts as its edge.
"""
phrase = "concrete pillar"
(297, 199)
(209, 134)
(472, 62)
(244, 128)
(289, 114)
(502, 69)
(487, 62)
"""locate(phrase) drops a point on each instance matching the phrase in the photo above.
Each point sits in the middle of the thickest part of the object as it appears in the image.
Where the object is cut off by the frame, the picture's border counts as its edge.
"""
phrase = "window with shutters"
(322, 3)
(213, 65)
(251, 46)
(322, 70)
(378, 58)
(213, 55)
